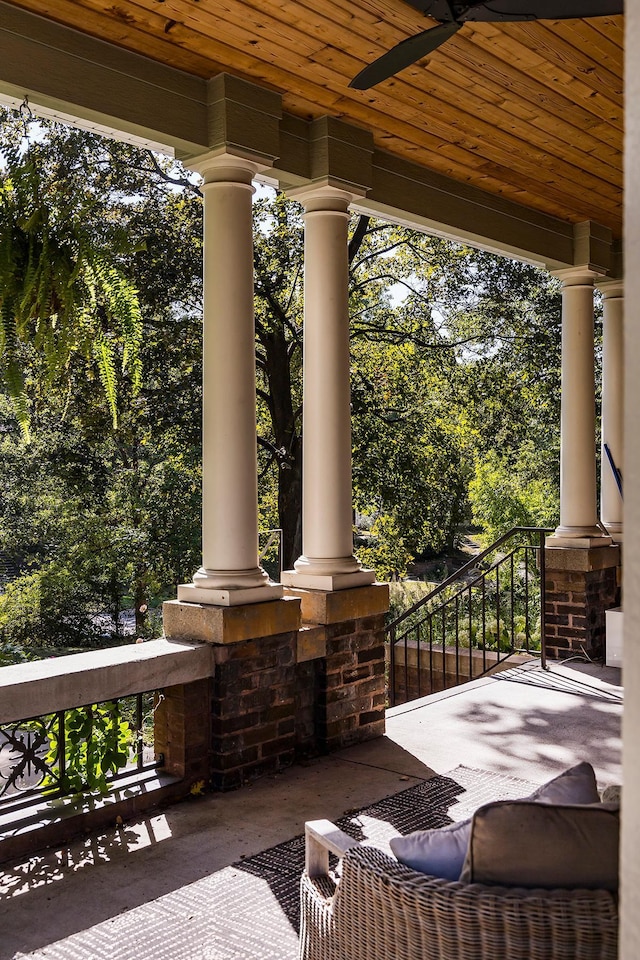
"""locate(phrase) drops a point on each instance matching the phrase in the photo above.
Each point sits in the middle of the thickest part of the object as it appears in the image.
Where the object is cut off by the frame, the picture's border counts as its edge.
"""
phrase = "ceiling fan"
(452, 16)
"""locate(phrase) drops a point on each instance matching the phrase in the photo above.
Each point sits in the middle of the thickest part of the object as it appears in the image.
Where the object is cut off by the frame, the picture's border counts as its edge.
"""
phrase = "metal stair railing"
(488, 610)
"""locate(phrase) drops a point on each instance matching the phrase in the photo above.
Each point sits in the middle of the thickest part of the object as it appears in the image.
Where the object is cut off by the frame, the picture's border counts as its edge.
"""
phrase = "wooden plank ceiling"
(531, 111)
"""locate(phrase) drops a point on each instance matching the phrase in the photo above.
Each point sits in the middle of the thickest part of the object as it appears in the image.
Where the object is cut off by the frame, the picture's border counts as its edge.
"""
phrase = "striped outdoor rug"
(250, 910)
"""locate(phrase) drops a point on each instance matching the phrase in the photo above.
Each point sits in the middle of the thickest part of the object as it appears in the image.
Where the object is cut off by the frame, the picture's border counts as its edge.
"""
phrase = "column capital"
(222, 166)
(325, 150)
(593, 246)
(241, 118)
(323, 196)
(577, 276)
(611, 289)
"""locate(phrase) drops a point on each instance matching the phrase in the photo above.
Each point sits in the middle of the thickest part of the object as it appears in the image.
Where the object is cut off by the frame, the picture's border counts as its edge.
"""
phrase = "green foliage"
(97, 743)
(96, 518)
(62, 291)
(11, 652)
(97, 521)
(384, 549)
(47, 607)
(404, 593)
(504, 497)
(507, 401)
(407, 462)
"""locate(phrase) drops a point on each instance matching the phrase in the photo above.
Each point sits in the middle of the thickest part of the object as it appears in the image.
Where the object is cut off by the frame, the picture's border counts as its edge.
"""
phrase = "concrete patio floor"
(524, 722)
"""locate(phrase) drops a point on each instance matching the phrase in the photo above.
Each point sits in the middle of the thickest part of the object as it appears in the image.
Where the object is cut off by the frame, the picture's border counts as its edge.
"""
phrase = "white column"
(230, 573)
(327, 562)
(578, 510)
(612, 405)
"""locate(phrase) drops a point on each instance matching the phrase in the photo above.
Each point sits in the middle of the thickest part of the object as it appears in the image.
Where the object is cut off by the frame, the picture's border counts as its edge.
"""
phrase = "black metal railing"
(77, 750)
(484, 613)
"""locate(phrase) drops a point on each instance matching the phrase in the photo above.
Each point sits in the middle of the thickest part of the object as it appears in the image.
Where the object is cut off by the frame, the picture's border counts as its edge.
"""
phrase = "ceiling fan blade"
(513, 10)
(496, 10)
(403, 55)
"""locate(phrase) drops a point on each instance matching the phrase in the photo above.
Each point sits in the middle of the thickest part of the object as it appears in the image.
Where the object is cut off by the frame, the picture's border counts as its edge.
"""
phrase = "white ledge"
(59, 683)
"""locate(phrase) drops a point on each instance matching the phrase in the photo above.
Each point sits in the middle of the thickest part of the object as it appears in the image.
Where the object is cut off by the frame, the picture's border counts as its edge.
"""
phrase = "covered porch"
(547, 190)
(167, 885)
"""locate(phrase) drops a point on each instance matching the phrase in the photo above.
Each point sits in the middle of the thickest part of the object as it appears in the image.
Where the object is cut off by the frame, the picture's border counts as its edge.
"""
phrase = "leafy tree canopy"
(455, 376)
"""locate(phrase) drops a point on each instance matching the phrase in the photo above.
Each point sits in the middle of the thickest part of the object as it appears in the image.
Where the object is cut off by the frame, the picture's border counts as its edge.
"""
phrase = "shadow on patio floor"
(158, 887)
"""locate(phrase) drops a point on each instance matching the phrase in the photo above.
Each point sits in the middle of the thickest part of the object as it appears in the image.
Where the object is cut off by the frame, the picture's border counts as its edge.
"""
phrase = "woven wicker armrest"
(322, 838)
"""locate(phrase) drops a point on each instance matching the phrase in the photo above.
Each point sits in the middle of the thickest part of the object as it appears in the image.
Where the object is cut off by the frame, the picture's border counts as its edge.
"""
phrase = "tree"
(278, 259)
(383, 259)
(455, 359)
(508, 393)
(62, 290)
(100, 516)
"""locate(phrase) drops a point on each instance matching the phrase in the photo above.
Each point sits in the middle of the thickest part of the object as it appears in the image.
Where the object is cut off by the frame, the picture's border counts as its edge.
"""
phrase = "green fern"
(60, 293)
(103, 353)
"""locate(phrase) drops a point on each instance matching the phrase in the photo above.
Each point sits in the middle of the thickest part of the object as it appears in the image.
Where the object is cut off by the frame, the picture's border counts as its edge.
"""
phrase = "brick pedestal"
(349, 673)
(252, 706)
(253, 709)
(277, 689)
(581, 585)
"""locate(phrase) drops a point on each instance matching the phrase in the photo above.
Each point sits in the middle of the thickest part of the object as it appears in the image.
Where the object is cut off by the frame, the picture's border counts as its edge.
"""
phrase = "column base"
(231, 597)
(586, 542)
(335, 581)
(615, 531)
(580, 586)
(336, 573)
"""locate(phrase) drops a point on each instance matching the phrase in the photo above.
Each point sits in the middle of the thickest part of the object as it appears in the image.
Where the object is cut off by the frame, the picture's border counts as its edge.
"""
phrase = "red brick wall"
(253, 709)
(575, 610)
(351, 696)
(182, 730)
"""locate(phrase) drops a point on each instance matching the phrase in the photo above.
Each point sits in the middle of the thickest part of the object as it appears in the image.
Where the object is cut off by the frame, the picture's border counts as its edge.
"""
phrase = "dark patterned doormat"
(250, 910)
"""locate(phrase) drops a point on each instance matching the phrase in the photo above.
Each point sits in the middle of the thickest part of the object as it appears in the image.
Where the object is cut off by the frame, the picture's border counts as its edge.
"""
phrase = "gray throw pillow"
(575, 785)
(441, 852)
(519, 843)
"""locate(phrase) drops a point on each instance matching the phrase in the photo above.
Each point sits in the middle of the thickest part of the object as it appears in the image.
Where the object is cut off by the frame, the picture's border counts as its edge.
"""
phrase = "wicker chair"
(382, 910)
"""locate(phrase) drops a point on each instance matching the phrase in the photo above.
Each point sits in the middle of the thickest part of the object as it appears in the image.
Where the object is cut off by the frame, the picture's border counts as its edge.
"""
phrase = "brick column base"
(250, 715)
(276, 690)
(253, 709)
(347, 675)
(581, 584)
